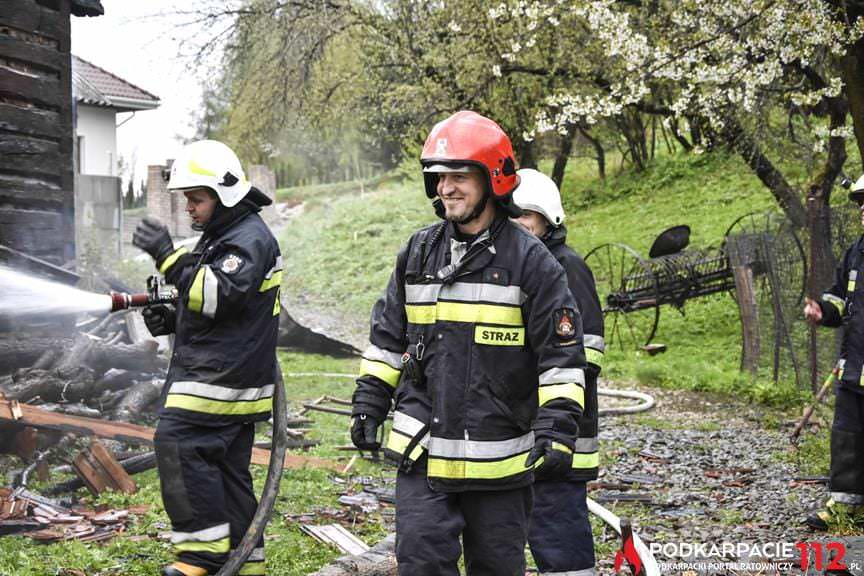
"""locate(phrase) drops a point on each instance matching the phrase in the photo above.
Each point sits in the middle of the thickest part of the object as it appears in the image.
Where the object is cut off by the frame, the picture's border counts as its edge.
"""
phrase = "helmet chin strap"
(476, 212)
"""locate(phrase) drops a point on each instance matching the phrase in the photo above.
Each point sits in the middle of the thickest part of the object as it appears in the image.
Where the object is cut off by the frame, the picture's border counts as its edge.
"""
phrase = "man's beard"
(472, 215)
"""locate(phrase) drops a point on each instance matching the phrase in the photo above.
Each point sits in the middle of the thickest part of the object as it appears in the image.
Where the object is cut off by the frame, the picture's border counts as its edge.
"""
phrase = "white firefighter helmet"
(856, 191)
(538, 193)
(213, 165)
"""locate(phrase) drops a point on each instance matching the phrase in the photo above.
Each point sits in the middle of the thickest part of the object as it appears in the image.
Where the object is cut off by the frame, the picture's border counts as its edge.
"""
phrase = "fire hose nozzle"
(157, 293)
(124, 300)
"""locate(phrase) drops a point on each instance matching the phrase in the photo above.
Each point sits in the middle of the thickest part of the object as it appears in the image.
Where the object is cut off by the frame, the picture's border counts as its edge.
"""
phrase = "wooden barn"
(36, 133)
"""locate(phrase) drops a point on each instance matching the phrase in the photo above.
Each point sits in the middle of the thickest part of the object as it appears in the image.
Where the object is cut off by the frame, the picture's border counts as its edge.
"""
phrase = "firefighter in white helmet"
(560, 532)
(843, 305)
(223, 367)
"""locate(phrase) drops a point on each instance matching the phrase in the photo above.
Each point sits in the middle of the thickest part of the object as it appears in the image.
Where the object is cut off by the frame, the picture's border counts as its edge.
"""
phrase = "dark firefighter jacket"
(498, 337)
(843, 305)
(586, 456)
(223, 368)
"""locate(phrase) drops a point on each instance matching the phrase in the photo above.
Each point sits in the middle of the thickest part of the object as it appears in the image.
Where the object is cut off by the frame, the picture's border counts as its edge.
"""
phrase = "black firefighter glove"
(161, 319)
(152, 237)
(551, 460)
(364, 432)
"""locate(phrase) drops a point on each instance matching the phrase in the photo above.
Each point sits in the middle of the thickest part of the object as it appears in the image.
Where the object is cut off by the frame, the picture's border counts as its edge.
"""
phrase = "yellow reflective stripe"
(497, 336)
(253, 569)
(838, 302)
(208, 406)
(196, 293)
(594, 357)
(591, 460)
(196, 168)
(569, 391)
(561, 447)
(215, 547)
(462, 312)
(381, 370)
(398, 442)
(272, 282)
(277, 304)
(170, 260)
(484, 470)
(424, 314)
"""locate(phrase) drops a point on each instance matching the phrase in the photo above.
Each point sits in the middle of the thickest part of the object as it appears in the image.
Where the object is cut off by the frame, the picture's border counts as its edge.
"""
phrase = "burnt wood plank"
(45, 56)
(31, 193)
(50, 166)
(42, 90)
(29, 16)
(31, 121)
(35, 232)
(27, 145)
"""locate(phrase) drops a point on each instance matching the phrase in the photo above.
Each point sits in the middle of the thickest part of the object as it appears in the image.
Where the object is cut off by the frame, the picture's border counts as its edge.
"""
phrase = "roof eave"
(130, 104)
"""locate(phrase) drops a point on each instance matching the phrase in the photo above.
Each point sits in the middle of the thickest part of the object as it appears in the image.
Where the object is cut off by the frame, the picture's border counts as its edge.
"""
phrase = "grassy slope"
(341, 253)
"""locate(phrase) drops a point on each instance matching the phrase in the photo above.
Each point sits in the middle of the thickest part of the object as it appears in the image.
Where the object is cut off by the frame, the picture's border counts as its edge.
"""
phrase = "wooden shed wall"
(36, 163)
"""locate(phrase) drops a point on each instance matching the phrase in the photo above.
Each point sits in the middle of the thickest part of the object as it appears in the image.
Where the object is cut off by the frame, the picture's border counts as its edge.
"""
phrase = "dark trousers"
(560, 533)
(847, 447)
(493, 525)
(206, 488)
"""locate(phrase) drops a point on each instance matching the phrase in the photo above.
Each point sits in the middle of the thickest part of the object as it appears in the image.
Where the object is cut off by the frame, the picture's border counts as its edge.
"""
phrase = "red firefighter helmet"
(469, 139)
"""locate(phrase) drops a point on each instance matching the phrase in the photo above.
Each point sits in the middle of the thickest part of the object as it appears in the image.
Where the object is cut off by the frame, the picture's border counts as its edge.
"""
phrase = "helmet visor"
(450, 168)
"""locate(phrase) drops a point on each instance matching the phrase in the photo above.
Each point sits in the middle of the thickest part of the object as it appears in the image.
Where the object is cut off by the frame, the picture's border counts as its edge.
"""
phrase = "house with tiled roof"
(99, 97)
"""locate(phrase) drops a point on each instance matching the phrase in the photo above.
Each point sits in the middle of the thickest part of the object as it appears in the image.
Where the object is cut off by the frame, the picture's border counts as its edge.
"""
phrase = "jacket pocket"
(196, 359)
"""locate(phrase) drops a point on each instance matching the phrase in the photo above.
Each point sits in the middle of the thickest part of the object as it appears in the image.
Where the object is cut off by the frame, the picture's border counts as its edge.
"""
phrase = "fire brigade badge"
(441, 147)
(565, 323)
(231, 264)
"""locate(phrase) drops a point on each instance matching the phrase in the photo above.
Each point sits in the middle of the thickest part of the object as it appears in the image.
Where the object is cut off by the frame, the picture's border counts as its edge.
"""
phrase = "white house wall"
(99, 144)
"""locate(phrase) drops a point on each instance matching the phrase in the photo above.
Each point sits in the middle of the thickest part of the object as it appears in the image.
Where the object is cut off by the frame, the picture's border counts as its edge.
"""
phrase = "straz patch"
(565, 323)
(499, 336)
(231, 264)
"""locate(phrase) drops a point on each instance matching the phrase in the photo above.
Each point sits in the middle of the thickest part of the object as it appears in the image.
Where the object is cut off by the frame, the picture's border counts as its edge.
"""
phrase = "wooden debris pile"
(46, 520)
(112, 368)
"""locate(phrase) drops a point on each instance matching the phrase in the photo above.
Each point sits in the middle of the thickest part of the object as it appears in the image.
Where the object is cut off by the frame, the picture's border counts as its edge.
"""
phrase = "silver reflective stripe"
(257, 555)
(492, 293)
(562, 376)
(583, 572)
(446, 448)
(841, 363)
(464, 292)
(276, 268)
(375, 353)
(406, 424)
(586, 445)
(594, 341)
(421, 293)
(221, 392)
(207, 535)
(847, 498)
(211, 293)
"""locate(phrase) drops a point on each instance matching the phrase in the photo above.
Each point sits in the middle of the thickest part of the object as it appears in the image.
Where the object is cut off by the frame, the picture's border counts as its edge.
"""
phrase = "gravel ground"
(713, 471)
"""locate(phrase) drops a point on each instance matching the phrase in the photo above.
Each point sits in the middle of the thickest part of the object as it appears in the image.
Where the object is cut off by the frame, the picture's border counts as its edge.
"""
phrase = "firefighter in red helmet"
(478, 340)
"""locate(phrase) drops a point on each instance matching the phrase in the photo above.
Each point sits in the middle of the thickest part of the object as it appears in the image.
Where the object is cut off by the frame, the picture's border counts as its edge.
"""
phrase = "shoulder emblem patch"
(565, 323)
(231, 264)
